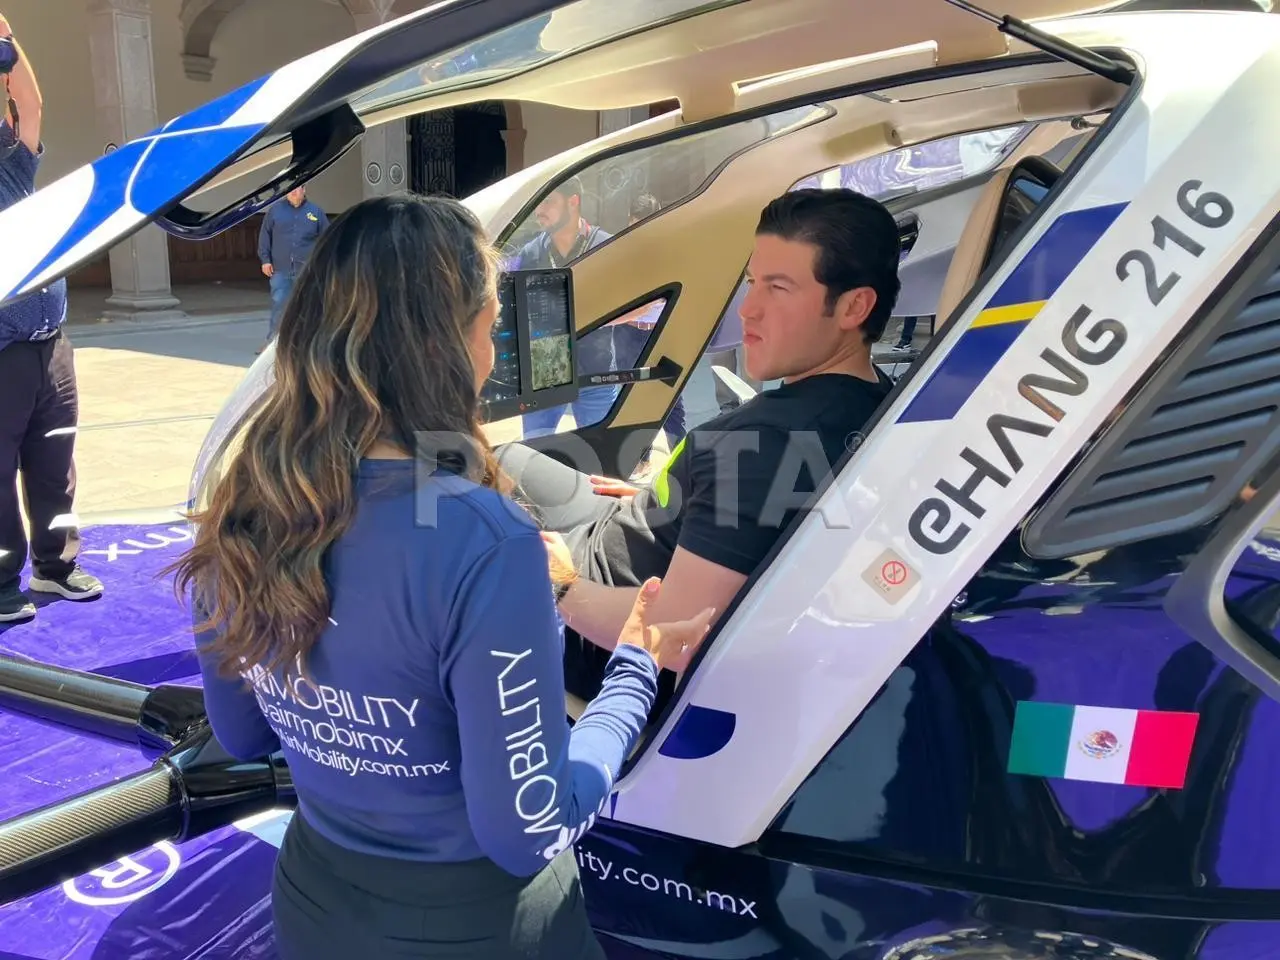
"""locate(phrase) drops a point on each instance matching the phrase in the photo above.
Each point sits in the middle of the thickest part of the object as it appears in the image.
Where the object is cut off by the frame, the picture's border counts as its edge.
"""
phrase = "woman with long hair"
(390, 623)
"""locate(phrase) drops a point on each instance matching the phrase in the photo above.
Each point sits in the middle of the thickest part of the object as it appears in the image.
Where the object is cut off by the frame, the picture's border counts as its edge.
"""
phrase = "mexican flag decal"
(1139, 748)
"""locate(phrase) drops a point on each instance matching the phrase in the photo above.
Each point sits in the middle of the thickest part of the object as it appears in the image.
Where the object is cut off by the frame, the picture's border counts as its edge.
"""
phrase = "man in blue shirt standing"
(565, 237)
(39, 402)
(289, 231)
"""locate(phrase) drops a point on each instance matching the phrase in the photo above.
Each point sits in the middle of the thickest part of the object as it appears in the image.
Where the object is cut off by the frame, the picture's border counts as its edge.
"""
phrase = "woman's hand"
(608, 487)
(665, 642)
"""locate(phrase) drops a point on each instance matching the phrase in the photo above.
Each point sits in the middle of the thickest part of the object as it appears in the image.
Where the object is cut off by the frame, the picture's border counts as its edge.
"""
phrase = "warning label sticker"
(890, 576)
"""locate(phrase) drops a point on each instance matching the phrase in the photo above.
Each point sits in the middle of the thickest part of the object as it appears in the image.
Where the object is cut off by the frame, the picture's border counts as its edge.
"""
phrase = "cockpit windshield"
(525, 45)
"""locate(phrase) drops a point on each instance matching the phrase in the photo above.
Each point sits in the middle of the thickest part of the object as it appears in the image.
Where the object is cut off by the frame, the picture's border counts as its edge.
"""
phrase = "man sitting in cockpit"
(823, 279)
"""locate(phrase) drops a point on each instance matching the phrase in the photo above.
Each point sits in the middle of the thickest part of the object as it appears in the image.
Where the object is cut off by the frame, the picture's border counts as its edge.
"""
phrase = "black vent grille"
(1189, 442)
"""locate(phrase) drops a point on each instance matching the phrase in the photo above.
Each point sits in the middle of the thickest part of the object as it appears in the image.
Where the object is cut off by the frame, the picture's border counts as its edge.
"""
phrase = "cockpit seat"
(990, 219)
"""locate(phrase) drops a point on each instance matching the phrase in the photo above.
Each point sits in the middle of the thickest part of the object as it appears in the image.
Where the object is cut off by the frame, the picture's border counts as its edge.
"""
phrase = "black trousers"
(39, 410)
(330, 903)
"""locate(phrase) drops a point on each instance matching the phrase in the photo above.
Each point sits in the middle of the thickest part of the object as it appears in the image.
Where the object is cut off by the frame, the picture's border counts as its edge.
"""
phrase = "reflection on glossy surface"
(669, 172)
(921, 777)
(1253, 592)
(527, 44)
(922, 166)
(654, 896)
(222, 440)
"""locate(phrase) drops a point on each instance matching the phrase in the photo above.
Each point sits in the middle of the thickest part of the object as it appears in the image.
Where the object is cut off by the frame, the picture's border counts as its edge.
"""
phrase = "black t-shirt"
(733, 484)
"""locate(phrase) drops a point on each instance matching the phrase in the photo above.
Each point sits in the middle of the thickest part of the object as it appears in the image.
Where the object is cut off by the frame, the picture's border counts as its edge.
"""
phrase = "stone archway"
(200, 21)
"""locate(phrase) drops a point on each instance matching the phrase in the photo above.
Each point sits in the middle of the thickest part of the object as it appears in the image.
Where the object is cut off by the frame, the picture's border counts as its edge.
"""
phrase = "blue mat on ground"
(137, 630)
(206, 898)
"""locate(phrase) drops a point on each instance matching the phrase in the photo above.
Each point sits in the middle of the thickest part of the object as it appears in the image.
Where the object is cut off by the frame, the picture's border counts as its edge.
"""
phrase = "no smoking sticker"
(890, 576)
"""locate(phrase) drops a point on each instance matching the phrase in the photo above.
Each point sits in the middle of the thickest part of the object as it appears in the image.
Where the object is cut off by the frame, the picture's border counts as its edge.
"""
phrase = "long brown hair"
(373, 345)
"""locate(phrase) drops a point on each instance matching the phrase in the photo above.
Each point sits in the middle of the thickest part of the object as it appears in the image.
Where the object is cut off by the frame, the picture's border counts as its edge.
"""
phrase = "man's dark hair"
(857, 241)
(571, 187)
(645, 205)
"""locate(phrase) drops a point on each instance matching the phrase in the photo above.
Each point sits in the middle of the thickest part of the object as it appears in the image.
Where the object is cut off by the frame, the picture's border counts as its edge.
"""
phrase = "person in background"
(288, 233)
(631, 333)
(565, 237)
(377, 607)
(908, 335)
(39, 400)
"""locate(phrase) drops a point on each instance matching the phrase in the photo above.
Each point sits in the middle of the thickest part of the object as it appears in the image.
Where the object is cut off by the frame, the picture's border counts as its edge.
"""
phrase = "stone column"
(385, 148)
(125, 97)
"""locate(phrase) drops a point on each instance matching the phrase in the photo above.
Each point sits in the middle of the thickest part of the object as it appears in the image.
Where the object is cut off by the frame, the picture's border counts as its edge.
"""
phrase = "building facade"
(112, 70)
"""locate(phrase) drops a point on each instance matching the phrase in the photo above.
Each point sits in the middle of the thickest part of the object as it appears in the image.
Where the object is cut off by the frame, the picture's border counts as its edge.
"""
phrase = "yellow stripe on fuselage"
(1013, 313)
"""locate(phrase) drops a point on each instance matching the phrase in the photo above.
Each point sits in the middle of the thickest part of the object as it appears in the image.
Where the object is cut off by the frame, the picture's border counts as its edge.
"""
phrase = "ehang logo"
(1100, 744)
(127, 879)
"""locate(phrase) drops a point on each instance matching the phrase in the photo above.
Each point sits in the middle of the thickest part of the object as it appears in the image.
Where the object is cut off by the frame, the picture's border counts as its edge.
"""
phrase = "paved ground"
(148, 395)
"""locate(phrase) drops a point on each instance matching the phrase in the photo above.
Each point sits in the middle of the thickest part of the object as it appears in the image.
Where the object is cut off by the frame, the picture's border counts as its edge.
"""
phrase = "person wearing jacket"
(285, 240)
(368, 600)
(566, 236)
(39, 398)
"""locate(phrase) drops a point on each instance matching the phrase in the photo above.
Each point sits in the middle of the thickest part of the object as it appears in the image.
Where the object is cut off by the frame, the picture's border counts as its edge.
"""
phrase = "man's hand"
(559, 558)
(268, 269)
(608, 487)
(691, 584)
(664, 642)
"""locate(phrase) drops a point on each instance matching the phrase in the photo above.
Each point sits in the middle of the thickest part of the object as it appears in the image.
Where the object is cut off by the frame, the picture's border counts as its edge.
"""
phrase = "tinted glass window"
(575, 26)
(607, 198)
(615, 193)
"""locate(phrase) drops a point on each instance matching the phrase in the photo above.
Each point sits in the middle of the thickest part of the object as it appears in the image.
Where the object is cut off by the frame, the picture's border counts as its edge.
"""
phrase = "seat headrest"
(973, 249)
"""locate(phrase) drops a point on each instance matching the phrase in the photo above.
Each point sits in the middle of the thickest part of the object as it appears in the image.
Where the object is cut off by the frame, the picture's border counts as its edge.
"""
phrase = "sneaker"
(77, 585)
(15, 605)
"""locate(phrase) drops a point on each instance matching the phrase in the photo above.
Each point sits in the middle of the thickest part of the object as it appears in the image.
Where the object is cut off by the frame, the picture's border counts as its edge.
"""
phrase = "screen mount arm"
(666, 371)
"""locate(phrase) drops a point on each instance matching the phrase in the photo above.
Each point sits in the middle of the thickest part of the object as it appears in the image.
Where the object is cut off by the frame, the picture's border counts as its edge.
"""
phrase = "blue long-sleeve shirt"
(39, 315)
(430, 722)
(288, 234)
